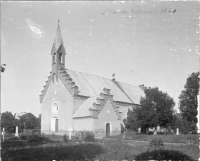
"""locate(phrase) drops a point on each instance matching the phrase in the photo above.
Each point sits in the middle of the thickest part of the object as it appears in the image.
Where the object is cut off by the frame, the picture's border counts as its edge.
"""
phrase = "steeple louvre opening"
(54, 58)
(60, 58)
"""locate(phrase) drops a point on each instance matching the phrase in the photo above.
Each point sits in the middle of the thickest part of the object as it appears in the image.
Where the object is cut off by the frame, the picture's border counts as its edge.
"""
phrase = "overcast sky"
(139, 42)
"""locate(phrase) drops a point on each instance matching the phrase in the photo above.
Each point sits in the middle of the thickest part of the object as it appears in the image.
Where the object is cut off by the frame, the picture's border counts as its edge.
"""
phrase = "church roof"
(91, 86)
(83, 110)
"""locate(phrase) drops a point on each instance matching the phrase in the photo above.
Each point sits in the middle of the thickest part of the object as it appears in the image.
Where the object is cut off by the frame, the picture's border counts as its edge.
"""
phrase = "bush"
(37, 131)
(65, 138)
(163, 155)
(72, 152)
(23, 137)
(89, 136)
(156, 143)
(14, 138)
(35, 138)
(192, 139)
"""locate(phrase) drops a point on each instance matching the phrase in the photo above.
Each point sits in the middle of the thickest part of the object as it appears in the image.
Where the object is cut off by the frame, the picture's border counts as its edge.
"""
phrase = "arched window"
(54, 58)
(55, 108)
(60, 57)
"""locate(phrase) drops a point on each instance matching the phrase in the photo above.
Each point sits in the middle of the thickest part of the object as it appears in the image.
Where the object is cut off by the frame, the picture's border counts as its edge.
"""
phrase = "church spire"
(58, 37)
(58, 53)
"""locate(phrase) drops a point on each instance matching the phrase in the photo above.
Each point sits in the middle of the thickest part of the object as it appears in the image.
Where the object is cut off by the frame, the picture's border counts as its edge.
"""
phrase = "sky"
(150, 43)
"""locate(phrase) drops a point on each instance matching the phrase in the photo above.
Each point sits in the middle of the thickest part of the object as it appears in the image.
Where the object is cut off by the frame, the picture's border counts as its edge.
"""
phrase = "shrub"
(192, 139)
(23, 137)
(35, 138)
(163, 155)
(65, 138)
(37, 131)
(156, 143)
(76, 137)
(89, 136)
(14, 138)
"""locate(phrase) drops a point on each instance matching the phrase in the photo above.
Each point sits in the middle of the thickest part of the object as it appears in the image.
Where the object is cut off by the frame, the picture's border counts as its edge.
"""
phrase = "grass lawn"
(182, 138)
(101, 149)
(117, 150)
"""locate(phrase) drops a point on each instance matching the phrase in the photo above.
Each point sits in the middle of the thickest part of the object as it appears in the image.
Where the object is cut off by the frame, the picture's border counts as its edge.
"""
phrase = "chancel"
(83, 102)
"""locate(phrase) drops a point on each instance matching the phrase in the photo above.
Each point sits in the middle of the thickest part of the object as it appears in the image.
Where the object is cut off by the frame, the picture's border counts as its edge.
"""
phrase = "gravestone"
(155, 132)
(70, 132)
(3, 133)
(177, 131)
(139, 130)
(158, 129)
(16, 132)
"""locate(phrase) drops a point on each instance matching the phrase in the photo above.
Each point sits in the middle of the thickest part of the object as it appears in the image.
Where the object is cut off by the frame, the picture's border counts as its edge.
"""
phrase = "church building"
(83, 102)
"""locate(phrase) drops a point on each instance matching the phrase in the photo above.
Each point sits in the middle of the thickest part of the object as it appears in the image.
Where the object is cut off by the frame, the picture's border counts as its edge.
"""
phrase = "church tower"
(58, 53)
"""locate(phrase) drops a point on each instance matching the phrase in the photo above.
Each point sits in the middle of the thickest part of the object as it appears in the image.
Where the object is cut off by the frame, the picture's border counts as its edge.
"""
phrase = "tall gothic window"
(60, 57)
(54, 58)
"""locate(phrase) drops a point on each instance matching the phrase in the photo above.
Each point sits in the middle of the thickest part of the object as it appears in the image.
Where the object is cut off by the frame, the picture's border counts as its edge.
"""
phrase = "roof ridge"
(102, 77)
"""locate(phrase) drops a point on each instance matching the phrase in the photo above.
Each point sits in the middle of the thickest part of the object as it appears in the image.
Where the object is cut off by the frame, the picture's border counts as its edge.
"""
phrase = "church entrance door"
(56, 125)
(108, 129)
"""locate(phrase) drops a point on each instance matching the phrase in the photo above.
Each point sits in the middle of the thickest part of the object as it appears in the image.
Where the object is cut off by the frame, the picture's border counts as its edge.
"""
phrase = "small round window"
(55, 108)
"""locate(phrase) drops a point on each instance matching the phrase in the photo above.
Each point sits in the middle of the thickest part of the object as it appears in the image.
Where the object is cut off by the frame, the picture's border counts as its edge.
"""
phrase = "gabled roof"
(92, 86)
(83, 110)
(93, 106)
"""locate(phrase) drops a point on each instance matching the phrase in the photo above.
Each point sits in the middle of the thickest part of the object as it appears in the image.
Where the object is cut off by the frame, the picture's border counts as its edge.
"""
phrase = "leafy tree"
(156, 109)
(28, 121)
(188, 101)
(8, 122)
(179, 122)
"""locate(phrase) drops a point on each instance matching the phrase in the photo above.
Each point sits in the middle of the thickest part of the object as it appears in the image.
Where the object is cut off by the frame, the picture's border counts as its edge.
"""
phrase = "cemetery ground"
(130, 146)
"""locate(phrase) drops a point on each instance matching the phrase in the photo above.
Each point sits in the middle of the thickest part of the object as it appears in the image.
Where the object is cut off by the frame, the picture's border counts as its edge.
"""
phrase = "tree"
(155, 109)
(8, 122)
(28, 121)
(188, 101)
(39, 121)
(179, 122)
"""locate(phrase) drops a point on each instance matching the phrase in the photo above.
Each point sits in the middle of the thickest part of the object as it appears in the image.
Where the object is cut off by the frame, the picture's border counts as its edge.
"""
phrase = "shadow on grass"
(75, 152)
(163, 155)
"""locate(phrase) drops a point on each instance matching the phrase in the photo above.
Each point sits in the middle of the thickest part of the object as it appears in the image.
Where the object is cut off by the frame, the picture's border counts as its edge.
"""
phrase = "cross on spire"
(58, 21)
(113, 76)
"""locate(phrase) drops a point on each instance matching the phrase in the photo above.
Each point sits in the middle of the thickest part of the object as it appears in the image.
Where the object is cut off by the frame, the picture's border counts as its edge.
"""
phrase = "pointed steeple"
(58, 37)
(58, 53)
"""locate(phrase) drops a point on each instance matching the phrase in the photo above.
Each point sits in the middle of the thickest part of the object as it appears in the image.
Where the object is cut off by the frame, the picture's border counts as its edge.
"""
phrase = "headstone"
(70, 132)
(16, 132)
(155, 132)
(139, 130)
(3, 133)
(177, 131)
(158, 129)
